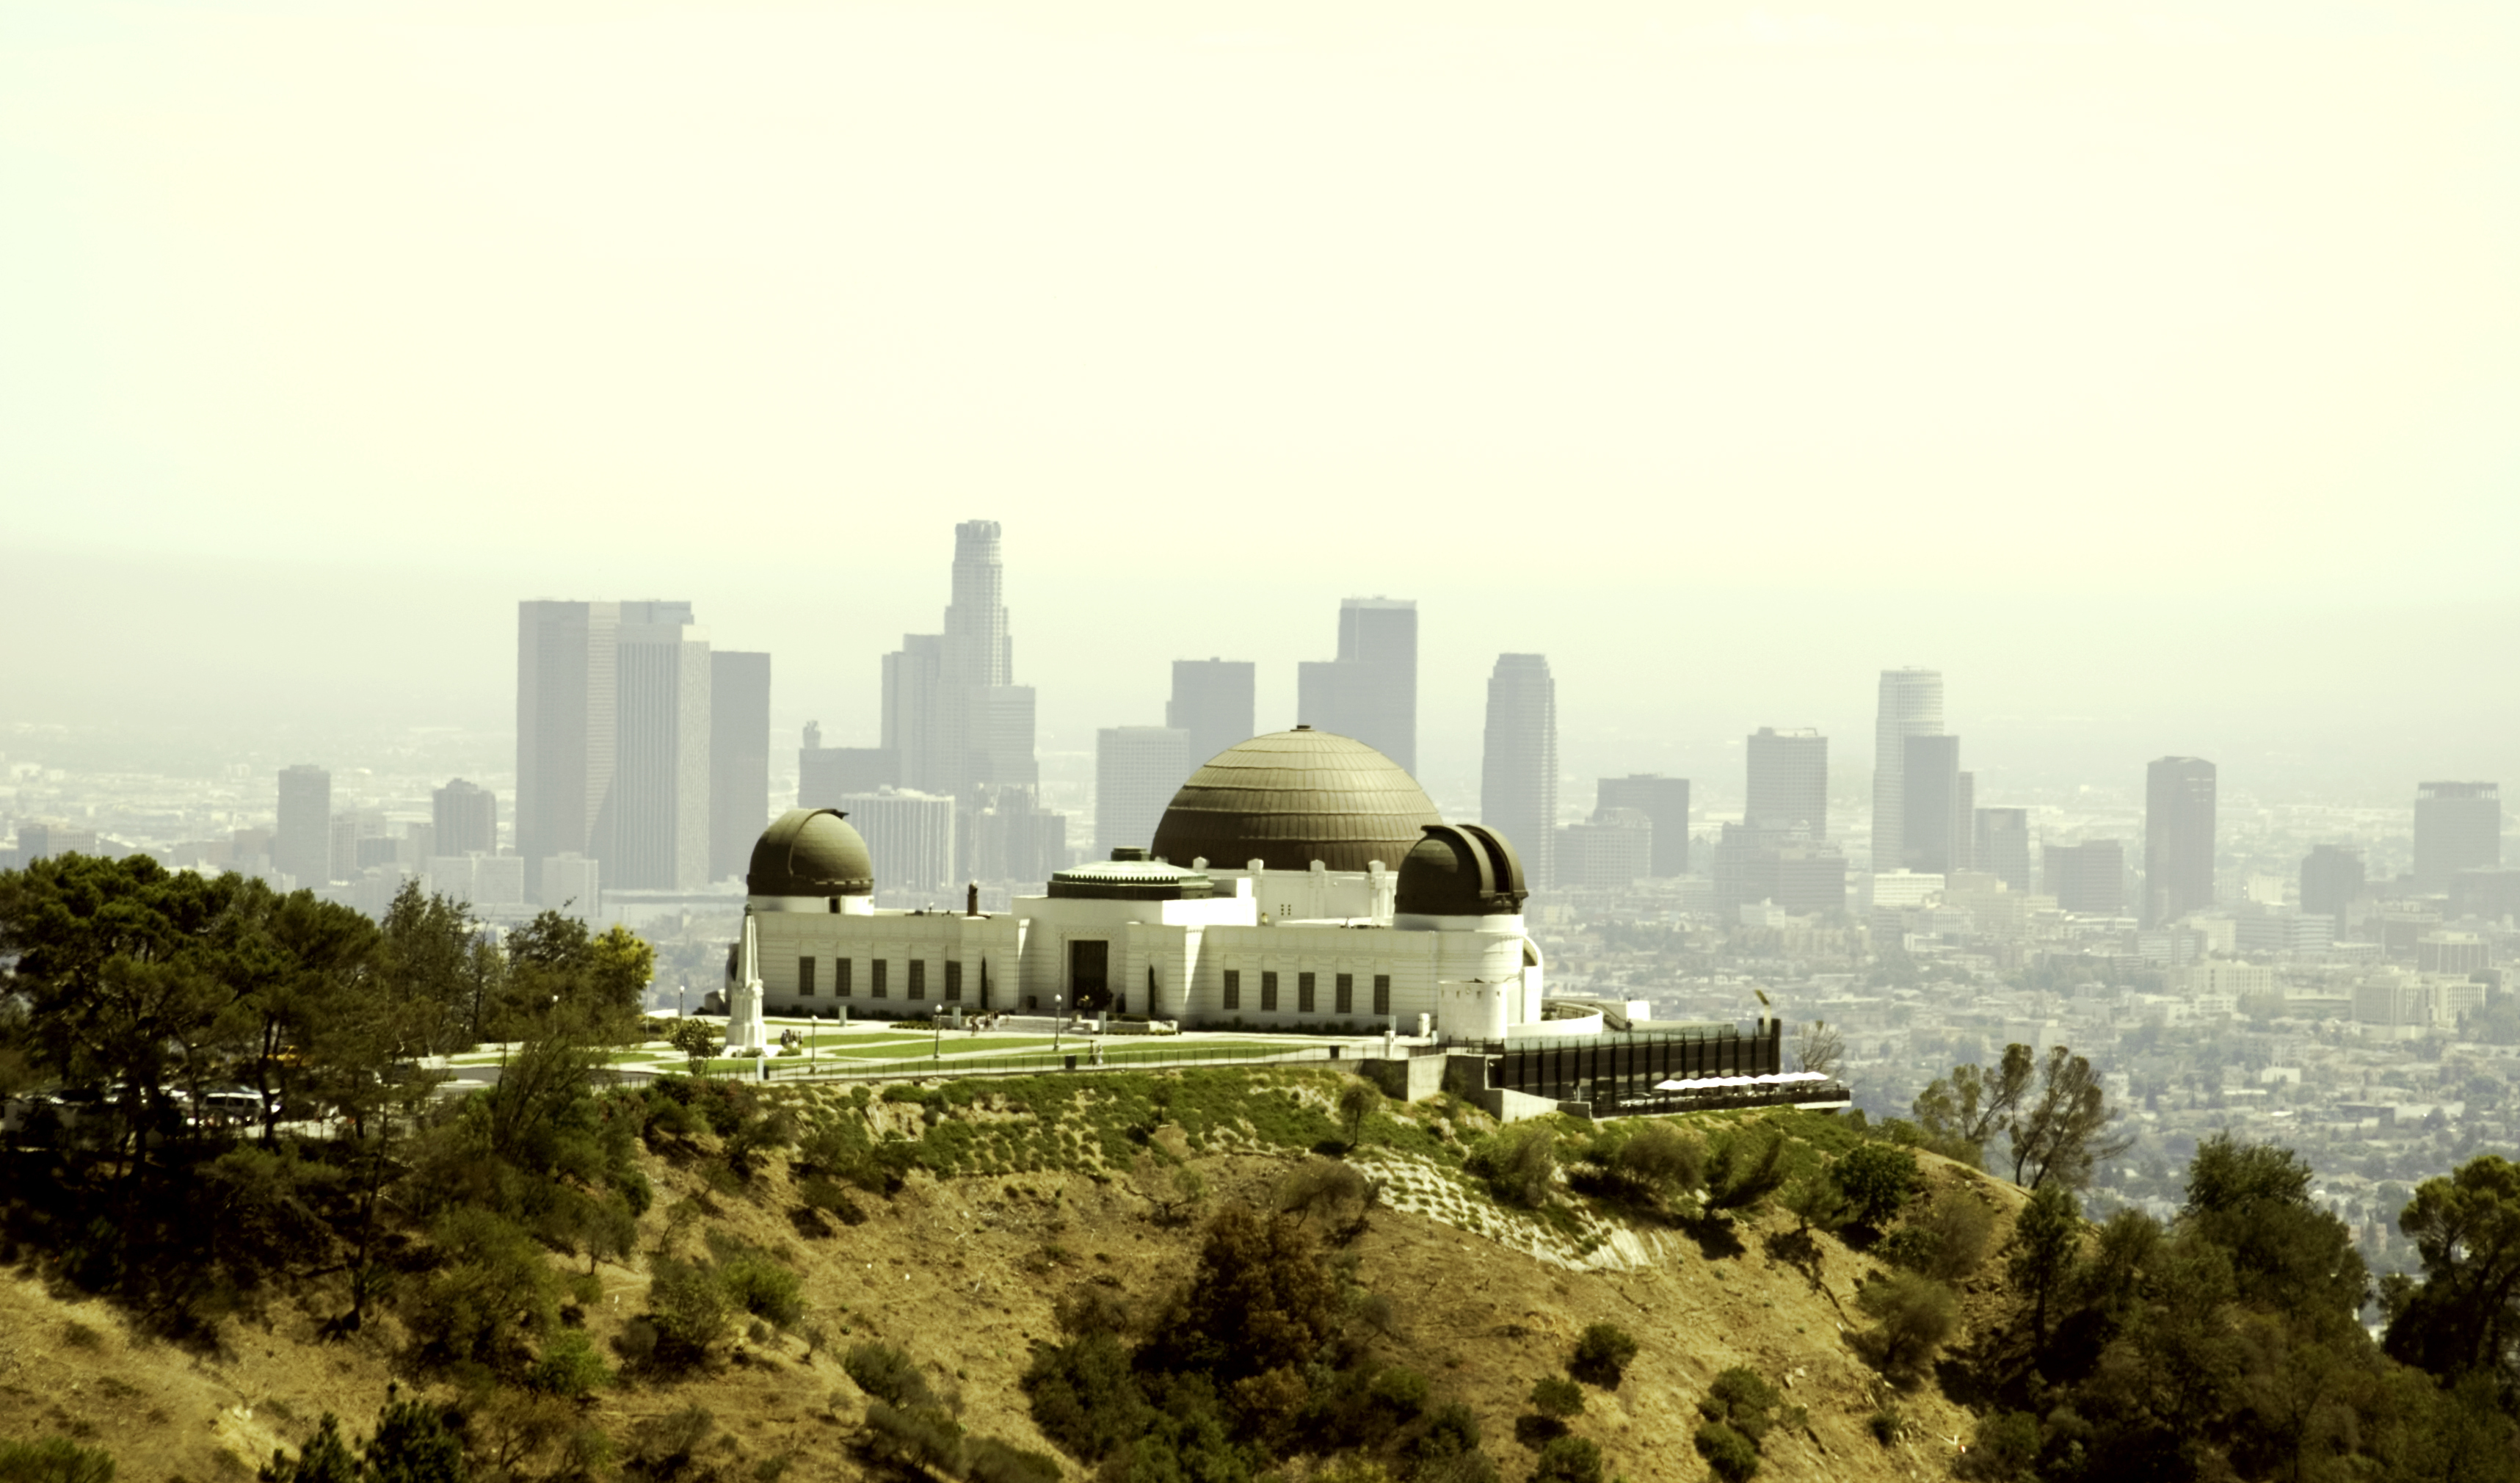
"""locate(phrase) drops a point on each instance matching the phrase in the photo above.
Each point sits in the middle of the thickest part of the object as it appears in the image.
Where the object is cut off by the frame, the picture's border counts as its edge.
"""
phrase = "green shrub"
(1398, 1390)
(1085, 1396)
(1885, 1424)
(1520, 1164)
(1568, 1460)
(1661, 1158)
(889, 1374)
(1556, 1397)
(1746, 1166)
(687, 1307)
(1603, 1355)
(1729, 1454)
(986, 1460)
(569, 1367)
(760, 1286)
(1742, 1400)
(1877, 1181)
(1947, 1238)
(55, 1460)
(2005, 1449)
(1913, 1316)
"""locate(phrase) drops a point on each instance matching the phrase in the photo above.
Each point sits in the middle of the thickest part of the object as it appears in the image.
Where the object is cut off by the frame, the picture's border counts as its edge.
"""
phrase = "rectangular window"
(839, 977)
(1304, 992)
(953, 980)
(1343, 990)
(805, 977)
(882, 967)
(1269, 991)
(918, 978)
(1382, 993)
(1234, 988)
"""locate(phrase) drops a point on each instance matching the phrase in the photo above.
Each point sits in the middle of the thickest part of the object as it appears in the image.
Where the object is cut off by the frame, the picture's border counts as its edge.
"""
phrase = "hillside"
(963, 1271)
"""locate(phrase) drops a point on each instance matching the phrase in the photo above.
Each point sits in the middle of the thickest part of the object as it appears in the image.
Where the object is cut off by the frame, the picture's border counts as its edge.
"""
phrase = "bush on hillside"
(1520, 1164)
(1729, 1454)
(1877, 1181)
(1556, 1397)
(1912, 1317)
(55, 1460)
(1946, 1238)
(1603, 1355)
(1745, 1167)
(1568, 1460)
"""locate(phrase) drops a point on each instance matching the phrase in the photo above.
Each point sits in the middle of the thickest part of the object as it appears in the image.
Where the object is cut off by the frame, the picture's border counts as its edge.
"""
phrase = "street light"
(1056, 1019)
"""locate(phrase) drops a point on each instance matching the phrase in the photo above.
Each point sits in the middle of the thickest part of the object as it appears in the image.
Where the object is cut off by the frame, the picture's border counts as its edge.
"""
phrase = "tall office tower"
(1519, 765)
(738, 758)
(1212, 701)
(1930, 807)
(566, 653)
(2458, 825)
(1964, 824)
(1788, 782)
(1136, 770)
(954, 718)
(1006, 835)
(659, 839)
(301, 843)
(1370, 691)
(911, 838)
(2331, 877)
(2087, 878)
(463, 817)
(1664, 802)
(2002, 846)
(2178, 838)
(1910, 705)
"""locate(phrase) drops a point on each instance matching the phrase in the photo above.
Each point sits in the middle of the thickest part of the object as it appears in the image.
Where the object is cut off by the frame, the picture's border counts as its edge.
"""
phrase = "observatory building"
(1299, 878)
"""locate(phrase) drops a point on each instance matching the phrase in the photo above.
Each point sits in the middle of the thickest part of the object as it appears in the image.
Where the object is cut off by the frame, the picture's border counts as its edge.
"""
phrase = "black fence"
(1595, 1067)
(1651, 1103)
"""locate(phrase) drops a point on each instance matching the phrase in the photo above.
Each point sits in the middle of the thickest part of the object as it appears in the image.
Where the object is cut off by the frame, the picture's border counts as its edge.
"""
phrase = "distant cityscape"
(2334, 969)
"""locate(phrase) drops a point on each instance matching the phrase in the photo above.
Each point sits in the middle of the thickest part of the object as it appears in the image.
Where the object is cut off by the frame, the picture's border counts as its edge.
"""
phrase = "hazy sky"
(2154, 371)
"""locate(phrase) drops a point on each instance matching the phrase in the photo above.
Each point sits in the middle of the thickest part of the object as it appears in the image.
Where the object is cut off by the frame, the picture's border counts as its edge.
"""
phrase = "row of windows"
(1307, 985)
(879, 978)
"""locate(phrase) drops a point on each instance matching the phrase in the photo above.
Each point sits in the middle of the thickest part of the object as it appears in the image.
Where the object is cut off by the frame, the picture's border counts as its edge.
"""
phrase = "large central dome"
(1291, 797)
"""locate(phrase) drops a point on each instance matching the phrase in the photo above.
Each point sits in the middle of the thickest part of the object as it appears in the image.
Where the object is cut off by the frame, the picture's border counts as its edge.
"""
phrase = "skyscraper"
(1519, 764)
(1136, 770)
(2003, 846)
(301, 843)
(2331, 877)
(566, 654)
(954, 718)
(2087, 878)
(1910, 705)
(738, 758)
(658, 816)
(464, 817)
(1370, 691)
(1930, 803)
(1788, 782)
(2458, 825)
(2178, 838)
(1213, 701)
(1664, 802)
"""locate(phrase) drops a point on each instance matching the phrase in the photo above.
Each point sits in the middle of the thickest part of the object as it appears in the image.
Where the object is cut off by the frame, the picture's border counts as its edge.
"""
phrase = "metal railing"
(1133, 1057)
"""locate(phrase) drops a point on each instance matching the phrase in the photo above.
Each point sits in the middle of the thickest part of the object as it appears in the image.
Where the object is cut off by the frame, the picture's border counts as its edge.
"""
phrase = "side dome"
(1460, 870)
(1291, 797)
(811, 852)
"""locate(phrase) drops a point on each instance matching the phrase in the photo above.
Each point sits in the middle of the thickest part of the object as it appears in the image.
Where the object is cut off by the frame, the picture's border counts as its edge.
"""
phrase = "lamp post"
(1056, 1018)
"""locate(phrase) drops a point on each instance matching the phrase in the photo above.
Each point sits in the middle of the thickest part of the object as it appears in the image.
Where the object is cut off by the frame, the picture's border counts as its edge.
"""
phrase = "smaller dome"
(1460, 870)
(811, 852)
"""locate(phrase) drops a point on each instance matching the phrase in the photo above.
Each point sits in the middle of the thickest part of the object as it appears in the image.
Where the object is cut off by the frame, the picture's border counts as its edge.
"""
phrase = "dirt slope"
(964, 1273)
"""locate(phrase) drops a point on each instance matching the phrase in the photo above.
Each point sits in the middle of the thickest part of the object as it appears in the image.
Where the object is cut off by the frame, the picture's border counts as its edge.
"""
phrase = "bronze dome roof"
(1291, 797)
(1460, 870)
(811, 852)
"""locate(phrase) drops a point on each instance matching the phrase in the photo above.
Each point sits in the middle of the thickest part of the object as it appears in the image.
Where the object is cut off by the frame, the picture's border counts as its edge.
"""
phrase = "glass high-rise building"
(738, 758)
(2178, 838)
(1370, 691)
(1136, 770)
(1932, 806)
(1664, 802)
(1788, 778)
(2003, 846)
(658, 816)
(463, 818)
(2458, 825)
(2331, 877)
(1518, 763)
(1910, 705)
(954, 718)
(1214, 701)
(302, 842)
